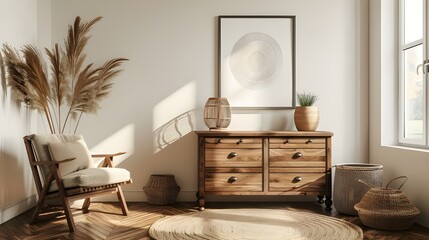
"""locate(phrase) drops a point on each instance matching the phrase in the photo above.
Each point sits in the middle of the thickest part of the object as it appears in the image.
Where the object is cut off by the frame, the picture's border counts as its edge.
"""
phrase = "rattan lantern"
(217, 113)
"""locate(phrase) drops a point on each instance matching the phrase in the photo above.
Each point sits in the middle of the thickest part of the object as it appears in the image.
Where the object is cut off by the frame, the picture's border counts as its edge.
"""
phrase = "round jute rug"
(250, 223)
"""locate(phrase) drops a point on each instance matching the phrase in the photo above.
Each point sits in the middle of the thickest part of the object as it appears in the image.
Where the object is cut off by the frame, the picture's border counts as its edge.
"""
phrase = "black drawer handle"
(219, 140)
(297, 155)
(297, 179)
(232, 155)
(240, 141)
(232, 179)
(308, 141)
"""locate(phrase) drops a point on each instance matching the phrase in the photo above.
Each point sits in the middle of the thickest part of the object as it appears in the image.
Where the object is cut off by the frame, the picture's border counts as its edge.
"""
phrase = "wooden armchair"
(64, 170)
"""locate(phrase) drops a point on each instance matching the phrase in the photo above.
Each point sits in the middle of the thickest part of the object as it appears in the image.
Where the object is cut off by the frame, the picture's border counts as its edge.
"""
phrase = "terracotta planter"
(306, 118)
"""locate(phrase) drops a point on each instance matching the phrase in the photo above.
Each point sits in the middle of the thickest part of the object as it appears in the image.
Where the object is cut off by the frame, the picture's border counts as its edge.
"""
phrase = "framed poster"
(257, 61)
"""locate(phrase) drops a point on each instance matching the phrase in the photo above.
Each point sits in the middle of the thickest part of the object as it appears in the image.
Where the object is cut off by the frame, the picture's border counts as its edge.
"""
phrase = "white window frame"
(424, 142)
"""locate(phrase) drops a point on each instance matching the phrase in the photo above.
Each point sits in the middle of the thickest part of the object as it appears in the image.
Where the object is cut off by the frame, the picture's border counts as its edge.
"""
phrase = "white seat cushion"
(92, 177)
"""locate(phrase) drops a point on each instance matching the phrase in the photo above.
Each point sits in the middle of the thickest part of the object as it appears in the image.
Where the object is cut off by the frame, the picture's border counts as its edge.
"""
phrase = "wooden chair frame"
(71, 194)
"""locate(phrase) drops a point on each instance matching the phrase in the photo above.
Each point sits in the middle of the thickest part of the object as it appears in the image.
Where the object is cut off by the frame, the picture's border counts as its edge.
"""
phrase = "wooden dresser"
(264, 163)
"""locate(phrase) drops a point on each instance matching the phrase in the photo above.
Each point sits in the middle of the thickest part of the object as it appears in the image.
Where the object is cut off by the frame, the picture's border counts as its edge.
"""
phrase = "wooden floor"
(104, 221)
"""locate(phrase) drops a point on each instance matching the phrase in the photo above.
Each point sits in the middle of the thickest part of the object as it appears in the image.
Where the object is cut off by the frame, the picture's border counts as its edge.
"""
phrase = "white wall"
(397, 161)
(172, 47)
(18, 19)
(157, 101)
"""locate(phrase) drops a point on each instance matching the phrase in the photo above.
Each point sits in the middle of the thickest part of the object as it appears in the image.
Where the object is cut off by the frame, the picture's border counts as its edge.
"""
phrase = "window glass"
(413, 20)
(414, 93)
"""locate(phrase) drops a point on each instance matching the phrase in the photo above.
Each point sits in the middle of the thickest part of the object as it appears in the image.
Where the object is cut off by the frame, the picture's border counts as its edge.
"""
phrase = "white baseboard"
(15, 209)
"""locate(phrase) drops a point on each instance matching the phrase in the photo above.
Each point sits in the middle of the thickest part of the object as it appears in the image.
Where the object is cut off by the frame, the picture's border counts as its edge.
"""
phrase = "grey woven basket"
(348, 190)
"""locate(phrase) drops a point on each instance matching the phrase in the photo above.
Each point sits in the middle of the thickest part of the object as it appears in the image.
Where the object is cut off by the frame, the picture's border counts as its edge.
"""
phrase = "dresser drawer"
(297, 143)
(233, 143)
(233, 182)
(298, 170)
(234, 170)
(233, 158)
(297, 158)
(303, 182)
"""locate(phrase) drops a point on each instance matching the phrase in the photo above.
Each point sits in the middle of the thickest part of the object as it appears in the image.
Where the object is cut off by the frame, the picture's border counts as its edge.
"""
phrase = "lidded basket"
(387, 209)
(217, 113)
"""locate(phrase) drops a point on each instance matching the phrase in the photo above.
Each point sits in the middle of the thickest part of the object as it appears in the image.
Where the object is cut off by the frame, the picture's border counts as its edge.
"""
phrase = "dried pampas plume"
(72, 83)
(3, 77)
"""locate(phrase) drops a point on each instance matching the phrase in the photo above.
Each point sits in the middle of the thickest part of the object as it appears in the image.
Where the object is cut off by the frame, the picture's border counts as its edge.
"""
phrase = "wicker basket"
(161, 189)
(348, 190)
(387, 209)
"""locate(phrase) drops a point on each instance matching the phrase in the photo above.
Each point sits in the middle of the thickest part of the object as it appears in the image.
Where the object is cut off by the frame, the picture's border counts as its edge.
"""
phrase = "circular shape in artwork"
(255, 61)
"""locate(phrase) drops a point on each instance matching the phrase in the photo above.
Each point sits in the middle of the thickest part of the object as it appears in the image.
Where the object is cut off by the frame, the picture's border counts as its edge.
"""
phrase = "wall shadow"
(173, 130)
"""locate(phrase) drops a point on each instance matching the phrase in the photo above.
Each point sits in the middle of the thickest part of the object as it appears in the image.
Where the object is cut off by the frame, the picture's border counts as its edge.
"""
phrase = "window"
(413, 73)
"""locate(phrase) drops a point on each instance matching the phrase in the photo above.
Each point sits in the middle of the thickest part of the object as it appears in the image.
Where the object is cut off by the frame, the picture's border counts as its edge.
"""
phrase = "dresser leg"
(320, 198)
(328, 202)
(201, 204)
(200, 201)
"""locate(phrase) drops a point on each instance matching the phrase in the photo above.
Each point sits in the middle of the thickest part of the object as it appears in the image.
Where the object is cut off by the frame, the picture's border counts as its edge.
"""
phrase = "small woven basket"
(161, 189)
(387, 209)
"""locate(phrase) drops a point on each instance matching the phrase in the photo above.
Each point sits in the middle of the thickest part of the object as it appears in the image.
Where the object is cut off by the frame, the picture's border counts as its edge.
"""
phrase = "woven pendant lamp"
(217, 113)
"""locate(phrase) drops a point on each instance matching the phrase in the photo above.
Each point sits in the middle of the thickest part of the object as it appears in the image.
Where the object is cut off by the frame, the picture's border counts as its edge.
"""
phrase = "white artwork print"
(256, 62)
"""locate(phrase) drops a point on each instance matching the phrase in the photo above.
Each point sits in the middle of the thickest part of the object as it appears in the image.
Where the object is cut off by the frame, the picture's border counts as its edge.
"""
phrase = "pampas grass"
(3, 76)
(72, 84)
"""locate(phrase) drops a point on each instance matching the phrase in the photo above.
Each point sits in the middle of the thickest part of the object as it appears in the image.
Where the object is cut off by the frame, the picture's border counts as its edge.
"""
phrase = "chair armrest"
(108, 154)
(108, 158)
(39, 163)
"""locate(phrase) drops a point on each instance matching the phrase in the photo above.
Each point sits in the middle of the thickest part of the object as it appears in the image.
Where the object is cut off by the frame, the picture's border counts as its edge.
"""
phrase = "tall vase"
(217, 113)
(306, 118)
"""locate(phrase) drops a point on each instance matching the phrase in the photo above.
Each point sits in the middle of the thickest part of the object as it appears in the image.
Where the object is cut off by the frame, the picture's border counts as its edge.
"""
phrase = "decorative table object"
(264, 163)
(217, 113)
(306, 116)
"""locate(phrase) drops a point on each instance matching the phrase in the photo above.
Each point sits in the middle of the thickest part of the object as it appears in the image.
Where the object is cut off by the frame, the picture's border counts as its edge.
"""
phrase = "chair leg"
(85, 205)
(41, 201)
(69, 215)
(122, 201)
(36, 213)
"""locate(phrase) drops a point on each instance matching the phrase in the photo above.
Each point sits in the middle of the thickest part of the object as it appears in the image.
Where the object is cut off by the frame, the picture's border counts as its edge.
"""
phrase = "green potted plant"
(306, 115)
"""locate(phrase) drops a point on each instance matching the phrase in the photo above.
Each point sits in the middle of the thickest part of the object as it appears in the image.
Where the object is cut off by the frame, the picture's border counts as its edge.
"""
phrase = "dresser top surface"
(222, 133)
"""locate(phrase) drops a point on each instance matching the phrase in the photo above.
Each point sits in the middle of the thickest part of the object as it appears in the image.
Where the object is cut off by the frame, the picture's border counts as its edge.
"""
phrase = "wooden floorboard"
(105, 221)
